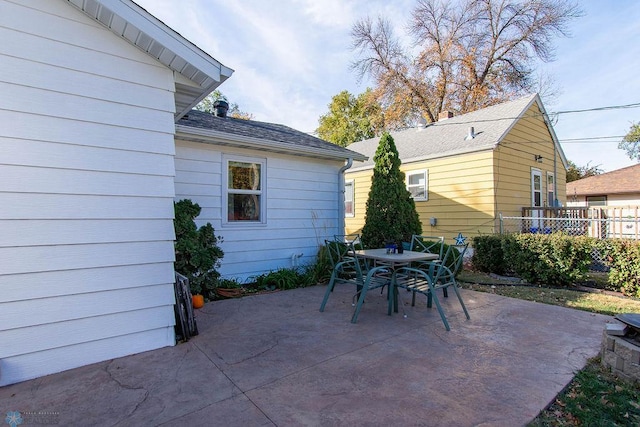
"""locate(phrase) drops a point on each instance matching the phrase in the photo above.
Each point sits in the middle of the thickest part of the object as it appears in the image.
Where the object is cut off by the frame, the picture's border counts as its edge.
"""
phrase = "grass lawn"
(597, 300)
(595, 397)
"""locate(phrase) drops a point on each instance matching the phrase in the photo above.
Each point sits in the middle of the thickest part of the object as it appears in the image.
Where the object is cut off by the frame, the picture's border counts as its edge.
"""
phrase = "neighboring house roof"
(620, 181)
(448, 137)
(205, 127)
(196, 73)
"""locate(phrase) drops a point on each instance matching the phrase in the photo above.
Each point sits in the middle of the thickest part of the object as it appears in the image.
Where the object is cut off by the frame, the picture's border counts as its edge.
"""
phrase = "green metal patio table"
(393, 260)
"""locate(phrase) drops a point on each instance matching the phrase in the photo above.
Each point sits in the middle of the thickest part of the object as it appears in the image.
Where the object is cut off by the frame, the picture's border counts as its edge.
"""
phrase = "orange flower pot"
(198, 301)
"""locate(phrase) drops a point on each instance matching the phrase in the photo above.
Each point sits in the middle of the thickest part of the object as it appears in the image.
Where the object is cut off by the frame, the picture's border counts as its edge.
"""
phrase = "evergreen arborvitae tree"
(391, 212)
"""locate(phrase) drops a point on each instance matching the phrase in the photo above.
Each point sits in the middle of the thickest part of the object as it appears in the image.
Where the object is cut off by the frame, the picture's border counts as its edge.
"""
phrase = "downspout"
(341, 223)
(555, 177)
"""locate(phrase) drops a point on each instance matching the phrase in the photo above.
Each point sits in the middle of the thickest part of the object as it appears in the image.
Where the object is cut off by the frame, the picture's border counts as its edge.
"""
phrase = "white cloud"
(291, 56)
(328, 13)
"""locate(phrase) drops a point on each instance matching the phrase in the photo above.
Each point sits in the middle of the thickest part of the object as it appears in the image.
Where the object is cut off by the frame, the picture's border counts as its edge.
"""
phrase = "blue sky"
(292, 56)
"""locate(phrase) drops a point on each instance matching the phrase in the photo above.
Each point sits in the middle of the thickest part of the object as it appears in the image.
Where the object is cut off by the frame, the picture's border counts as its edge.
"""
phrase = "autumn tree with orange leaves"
(467, 54)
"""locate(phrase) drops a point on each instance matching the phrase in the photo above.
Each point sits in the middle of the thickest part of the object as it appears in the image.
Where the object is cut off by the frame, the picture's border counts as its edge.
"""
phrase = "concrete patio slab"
(274, 359)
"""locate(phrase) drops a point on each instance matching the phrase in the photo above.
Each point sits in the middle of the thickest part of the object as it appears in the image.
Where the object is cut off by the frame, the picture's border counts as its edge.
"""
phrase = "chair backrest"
(430, 244)
(344, 260)
(352, 239)
(337, 250)
(454, 257)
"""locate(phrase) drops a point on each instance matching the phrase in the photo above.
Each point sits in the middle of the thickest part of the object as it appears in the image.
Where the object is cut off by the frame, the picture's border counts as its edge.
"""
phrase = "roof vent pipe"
(220, 108)
(471, 133)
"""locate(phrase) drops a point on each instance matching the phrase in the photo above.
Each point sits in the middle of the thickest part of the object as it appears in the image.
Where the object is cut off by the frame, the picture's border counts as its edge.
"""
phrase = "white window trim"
(353, 195)
(425, 173)
(551, 190)
(537, 172)
(226, 158)
(602, 202)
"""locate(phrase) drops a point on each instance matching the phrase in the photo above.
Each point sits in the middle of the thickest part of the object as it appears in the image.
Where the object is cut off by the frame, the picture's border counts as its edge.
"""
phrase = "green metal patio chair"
(453, 259)
(353, 239)
(349, 269)
(430, 244)
(432, 276)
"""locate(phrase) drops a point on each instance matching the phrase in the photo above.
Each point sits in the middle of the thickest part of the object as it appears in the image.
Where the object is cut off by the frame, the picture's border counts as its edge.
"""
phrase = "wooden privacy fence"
(603, 222)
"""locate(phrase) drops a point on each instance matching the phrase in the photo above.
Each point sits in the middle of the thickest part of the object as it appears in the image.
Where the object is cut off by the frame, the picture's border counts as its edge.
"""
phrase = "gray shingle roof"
(269, 132)
(447, 137)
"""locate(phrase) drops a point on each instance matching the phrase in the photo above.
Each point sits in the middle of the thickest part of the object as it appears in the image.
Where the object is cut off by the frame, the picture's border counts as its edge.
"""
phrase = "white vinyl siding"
(86, 165)
(301, 207)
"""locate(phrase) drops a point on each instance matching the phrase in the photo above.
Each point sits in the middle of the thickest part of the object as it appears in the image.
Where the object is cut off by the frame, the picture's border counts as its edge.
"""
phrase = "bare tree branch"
(472, 54)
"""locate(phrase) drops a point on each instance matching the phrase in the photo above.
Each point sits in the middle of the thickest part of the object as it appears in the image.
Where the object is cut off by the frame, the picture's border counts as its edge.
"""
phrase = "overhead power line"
(555, 113)
(592, 137)
(611, 107)
(453, 122)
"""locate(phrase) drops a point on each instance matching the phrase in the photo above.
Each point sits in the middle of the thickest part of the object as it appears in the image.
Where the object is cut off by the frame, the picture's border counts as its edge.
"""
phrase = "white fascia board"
(547, 121)
(536, 99)
(208, 136)
(163, 34)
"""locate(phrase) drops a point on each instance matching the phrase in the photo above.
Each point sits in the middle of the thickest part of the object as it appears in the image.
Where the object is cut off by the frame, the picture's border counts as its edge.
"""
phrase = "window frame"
(226, 191)
(551, 190)
(602, 202)
(425, 186)
(537, 173)
(349, 182)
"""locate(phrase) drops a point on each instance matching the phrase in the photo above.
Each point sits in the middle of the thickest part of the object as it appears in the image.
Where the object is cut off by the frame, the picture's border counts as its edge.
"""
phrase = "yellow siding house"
(464, 171)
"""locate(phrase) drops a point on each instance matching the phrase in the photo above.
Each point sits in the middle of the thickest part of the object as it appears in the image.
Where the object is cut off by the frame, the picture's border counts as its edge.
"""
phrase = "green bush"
(623, 258)
(552, 259)
(196, 249)
(488, 255)
(283, 278)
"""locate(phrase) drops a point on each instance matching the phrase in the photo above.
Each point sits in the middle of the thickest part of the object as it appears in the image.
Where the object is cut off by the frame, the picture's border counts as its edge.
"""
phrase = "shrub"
(554, 259)
(283, 278)
(488, 255)
(196, 249)
(623, 257)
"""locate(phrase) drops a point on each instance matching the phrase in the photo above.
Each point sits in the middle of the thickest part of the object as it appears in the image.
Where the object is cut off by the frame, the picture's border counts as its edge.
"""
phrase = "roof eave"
(210, 136)
(547, 121)
(133, 23)
(536, 99)
(429, 157)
